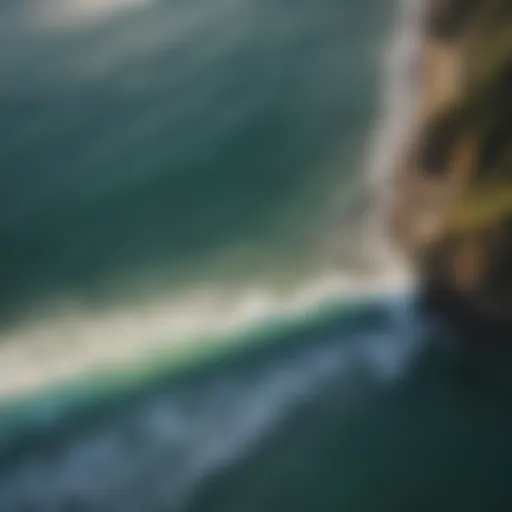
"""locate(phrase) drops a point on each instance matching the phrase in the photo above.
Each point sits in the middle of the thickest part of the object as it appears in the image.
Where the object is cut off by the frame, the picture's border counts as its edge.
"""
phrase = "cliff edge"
(451, 210)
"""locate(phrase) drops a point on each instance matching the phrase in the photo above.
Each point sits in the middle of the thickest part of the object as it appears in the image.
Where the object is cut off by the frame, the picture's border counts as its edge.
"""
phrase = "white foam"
(398, 107)
(73, 340)
(72, 12)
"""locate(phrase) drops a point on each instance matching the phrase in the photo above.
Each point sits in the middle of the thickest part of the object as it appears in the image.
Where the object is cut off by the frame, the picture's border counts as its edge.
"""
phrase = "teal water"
(154, 149)
(173, 142)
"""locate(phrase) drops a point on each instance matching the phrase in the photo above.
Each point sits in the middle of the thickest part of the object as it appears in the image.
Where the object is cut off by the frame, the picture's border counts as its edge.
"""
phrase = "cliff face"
(451, 211)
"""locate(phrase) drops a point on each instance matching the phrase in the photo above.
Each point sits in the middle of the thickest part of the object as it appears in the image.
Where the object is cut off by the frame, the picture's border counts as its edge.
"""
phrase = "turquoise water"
(152, 150)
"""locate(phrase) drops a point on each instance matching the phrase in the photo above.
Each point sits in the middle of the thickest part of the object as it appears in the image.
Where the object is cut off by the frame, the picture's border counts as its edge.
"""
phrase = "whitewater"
(64, 338)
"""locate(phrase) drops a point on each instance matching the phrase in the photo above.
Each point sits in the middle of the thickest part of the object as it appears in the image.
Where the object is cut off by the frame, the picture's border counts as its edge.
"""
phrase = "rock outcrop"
(451, 211)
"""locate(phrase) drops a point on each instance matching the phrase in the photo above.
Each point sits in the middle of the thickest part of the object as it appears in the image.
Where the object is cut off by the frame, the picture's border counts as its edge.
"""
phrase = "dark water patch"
(426, 441)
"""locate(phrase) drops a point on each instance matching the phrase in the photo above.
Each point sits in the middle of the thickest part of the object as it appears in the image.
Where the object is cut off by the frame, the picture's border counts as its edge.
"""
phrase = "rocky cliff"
(451, 211)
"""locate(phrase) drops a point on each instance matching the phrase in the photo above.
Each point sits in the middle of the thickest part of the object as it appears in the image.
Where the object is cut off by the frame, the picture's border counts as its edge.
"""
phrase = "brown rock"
(451, 211)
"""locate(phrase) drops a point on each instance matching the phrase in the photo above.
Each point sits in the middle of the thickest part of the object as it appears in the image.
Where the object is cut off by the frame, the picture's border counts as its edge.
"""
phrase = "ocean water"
(146, 145)
(172, 169)
(197, 313)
